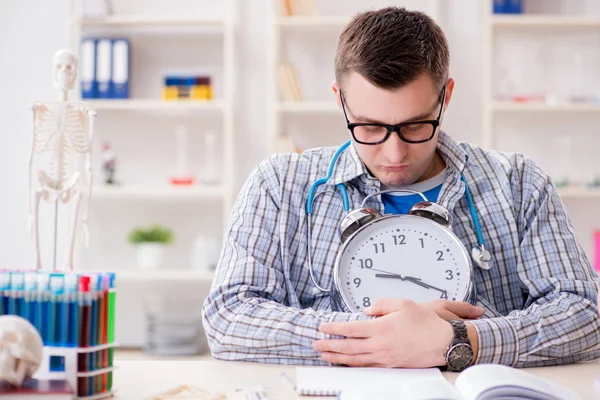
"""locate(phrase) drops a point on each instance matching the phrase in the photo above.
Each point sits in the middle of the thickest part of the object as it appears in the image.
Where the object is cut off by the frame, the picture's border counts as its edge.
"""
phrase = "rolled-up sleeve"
(245, 315)
(559, 323)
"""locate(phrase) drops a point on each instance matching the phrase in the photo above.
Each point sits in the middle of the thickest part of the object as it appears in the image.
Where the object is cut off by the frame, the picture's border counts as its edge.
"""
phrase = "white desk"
(135, 380)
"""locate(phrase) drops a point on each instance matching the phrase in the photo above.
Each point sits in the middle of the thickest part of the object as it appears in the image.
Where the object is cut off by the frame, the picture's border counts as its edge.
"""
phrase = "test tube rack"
(88, 370)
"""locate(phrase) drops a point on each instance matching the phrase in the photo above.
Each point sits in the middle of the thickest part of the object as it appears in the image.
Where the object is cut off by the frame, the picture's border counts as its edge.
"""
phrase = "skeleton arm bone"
(36, 107)
(88, 170)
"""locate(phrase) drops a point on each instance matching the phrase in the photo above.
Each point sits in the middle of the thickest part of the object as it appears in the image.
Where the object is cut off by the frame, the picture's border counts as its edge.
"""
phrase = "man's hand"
(412, 336)
(446, 309)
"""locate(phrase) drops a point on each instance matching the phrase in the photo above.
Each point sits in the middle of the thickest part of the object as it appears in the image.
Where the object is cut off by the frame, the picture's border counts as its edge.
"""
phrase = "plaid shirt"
(539, 295)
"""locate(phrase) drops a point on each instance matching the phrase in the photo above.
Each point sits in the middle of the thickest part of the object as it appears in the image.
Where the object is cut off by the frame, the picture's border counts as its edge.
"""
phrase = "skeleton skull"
(66, 64)
(21, 349)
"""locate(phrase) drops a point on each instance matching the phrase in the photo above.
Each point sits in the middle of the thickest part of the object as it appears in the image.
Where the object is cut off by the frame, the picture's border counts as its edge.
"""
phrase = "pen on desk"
(289, 381)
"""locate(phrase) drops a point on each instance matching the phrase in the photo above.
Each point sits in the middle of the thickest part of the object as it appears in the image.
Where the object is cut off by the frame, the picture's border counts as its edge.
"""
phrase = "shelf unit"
(164, 275)
(494, 109)
(222, 108)
(543, 21)
(158, 193)
(329, 26)
(507, 106)
(142, 20)
(158, 105)
(579, 199)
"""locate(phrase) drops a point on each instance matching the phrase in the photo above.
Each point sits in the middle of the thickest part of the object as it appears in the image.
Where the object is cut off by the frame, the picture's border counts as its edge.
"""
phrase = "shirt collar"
(350, 166)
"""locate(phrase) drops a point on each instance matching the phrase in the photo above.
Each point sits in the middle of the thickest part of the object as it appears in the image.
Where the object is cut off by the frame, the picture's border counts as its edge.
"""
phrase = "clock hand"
(403, 278)
(406, 278)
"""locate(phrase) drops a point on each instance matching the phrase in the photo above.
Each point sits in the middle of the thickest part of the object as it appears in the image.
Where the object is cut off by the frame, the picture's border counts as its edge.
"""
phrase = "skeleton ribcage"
(68, 135)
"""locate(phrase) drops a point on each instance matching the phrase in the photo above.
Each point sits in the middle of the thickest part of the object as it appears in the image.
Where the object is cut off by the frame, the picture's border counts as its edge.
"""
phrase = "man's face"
(394, 162)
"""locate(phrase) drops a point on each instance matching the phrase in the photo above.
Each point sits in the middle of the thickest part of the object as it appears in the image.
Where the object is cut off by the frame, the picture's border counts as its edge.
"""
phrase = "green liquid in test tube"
(112, 295)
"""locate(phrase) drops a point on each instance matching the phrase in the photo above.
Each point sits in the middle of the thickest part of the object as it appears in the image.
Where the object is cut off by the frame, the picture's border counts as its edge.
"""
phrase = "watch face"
(460, 356)
(402, 256)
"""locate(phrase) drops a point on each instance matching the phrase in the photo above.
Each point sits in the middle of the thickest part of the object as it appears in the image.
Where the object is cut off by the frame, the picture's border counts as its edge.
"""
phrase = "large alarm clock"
(414, 256)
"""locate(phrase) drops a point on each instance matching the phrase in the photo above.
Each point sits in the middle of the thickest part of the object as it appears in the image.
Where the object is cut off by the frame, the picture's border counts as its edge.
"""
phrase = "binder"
(104, 67)
(120, 69)
(89, 85)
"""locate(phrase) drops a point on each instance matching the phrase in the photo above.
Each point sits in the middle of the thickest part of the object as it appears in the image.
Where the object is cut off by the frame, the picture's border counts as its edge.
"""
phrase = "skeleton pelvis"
(56, 189)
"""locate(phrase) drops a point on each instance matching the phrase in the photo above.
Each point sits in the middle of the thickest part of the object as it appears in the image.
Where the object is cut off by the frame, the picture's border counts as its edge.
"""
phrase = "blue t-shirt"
(401, 203)
(395, 204)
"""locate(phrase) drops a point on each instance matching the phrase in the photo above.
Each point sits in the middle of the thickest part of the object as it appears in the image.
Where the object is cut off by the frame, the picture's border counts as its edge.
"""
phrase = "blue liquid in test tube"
(41, 314)
(4, 291)
(55, 317)
(30, 296)
(71, 310)
(16, 305)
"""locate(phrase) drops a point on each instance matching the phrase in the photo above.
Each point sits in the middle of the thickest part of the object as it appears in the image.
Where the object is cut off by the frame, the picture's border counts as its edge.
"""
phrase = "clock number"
(399, 239)
(422, 243)
(450, 275)
(444, 295)
(365, 263)
(367, 302)
(377, 245)
(440, 255)
(357, 282)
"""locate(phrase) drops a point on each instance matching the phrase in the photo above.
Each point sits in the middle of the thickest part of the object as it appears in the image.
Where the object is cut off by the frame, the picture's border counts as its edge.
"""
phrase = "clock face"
(402, 256)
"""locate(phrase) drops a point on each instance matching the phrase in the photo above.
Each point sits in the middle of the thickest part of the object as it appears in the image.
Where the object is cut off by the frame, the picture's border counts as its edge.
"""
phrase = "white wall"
(30, 32)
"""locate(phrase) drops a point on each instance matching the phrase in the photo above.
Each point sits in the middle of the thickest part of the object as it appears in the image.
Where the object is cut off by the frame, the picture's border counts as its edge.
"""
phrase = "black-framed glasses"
(410, 132)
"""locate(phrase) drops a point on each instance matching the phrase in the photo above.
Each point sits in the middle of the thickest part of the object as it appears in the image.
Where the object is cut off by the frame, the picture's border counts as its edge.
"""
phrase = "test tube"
(4, 291)
(98, 333)
(104, 329)
(71, 312)
(85, 305)
(17, 301)
(55, 315)
(41, 312)
(30, 296)
(112, 298)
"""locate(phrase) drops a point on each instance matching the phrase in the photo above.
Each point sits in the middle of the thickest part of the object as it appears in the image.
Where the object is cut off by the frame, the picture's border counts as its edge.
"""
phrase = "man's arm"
(246, 316)
(560, 322)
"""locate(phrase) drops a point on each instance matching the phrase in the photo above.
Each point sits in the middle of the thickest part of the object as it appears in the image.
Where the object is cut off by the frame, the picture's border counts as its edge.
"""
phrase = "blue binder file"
(104, 67)
(120, 69)
(89, 85)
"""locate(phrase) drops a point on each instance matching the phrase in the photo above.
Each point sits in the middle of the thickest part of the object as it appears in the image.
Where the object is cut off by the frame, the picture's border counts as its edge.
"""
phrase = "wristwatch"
(460, 353)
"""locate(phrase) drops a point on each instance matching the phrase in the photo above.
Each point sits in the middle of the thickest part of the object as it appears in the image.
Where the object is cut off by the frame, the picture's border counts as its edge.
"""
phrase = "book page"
(409, 390)
(487, 381)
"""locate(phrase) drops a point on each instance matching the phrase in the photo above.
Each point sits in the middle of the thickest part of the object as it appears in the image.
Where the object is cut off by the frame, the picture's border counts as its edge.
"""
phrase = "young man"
(538, 299)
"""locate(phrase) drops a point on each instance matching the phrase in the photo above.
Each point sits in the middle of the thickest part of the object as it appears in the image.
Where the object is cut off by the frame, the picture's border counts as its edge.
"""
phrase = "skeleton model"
(62, 137)
(21, 349)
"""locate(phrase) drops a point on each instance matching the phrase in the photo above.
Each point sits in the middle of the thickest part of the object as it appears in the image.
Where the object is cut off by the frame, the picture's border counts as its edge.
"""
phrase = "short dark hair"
(392, 47)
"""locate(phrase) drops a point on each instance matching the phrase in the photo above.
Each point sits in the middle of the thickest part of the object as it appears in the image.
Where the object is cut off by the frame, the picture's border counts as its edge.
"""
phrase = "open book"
(480, 382)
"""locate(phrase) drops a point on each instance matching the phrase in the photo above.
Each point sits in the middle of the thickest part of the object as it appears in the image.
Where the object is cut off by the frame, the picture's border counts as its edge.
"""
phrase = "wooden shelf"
(544, 107)
(313, 21)
(158, 192)
(156, 105)
(141, 20)
(308, 107)
(163, 275)
(547, 21)
(578, 192)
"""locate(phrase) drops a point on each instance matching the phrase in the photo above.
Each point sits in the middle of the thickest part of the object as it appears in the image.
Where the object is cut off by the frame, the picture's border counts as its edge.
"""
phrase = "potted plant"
(150, 245)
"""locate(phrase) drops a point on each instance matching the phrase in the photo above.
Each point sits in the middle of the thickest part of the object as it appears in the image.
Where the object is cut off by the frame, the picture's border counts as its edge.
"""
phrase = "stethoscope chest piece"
(481, 257)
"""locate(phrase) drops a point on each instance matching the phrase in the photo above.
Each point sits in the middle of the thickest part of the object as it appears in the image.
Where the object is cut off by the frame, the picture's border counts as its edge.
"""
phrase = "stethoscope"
(479, 254)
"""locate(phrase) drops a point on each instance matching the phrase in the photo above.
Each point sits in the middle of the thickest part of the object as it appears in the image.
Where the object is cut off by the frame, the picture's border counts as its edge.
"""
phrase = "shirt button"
(370, 183)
